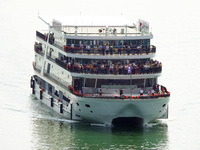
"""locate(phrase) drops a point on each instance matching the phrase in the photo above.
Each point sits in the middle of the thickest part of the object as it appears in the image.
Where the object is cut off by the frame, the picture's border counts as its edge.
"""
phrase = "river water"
(25, 123)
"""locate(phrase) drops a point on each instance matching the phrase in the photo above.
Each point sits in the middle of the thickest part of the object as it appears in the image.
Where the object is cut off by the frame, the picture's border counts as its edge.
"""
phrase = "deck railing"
(111, 51)
(115, 50)
(112, 96)
(86, 69)
(96, 95)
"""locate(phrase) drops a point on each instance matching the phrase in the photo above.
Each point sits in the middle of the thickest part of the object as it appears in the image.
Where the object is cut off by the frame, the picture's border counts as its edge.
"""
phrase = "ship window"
(87, 105)
(91, 111)
(77, 42)
(77, 104)
(164, 105)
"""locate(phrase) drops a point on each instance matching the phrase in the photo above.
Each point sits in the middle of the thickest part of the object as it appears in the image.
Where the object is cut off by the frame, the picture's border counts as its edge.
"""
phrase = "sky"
(131, 9)
(162, 15)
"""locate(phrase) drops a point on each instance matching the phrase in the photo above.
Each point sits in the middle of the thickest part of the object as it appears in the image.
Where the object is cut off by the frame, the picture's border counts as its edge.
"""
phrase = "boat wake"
(101, 125)
(14, 86)
(155, 124)
(54, 119)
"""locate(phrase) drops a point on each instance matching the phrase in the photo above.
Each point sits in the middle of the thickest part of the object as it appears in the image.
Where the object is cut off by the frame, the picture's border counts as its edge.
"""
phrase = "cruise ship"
(99, 73)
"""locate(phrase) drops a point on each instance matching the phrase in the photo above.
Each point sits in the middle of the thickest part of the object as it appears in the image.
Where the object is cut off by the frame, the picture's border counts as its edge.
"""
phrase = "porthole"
(77, 104)
(164, 105)
(87, 105)
(79, 110)
(91, 111)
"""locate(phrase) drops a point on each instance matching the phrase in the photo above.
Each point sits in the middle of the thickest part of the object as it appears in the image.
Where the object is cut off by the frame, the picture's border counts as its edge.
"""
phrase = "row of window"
(77, 42)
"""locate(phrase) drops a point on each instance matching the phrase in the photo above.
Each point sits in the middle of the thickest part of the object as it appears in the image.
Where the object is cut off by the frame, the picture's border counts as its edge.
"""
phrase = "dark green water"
(54, 133)
(84, 136)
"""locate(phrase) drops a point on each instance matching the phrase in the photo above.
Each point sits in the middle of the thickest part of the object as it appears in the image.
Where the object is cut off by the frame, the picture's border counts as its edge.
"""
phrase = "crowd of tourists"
(97, 67)
(106, 49)
(103, 49)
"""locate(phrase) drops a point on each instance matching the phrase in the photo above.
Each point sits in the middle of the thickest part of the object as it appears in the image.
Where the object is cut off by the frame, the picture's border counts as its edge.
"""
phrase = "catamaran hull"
(104, 110)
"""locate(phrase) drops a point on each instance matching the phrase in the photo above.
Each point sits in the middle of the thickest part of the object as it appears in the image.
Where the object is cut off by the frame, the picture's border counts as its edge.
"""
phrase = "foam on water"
(101, 125)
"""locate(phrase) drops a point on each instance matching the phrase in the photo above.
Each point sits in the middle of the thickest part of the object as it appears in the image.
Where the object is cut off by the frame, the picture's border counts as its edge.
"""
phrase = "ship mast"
(47, 46)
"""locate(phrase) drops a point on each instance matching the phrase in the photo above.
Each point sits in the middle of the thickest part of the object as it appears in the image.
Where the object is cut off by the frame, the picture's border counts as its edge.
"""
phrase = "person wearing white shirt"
(152, 91)
(88, 48)
(141, 92)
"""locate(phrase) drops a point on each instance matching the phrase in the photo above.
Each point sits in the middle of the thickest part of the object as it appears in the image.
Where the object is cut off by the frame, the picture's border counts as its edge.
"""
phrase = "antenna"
(43, 20)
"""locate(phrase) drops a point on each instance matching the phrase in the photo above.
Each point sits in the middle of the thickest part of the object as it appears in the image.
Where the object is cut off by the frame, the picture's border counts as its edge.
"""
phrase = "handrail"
(85, 69)
(111, 51)
(116, 50)
(112, 96)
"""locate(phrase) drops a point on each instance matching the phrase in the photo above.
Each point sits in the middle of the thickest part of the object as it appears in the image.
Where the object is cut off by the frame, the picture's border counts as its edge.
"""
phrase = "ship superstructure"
(103, 74)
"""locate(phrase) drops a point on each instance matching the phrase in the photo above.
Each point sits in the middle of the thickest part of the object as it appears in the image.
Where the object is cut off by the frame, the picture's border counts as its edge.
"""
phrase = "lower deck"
(103, 109)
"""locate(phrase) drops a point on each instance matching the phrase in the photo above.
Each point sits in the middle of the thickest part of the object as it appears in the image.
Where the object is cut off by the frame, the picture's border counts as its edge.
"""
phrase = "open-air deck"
(102, 47)
(129, 91)
(100, 30)
(104, 68)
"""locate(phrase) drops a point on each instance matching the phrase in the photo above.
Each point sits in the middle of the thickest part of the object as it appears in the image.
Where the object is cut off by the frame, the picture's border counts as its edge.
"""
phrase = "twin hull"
(102, 110)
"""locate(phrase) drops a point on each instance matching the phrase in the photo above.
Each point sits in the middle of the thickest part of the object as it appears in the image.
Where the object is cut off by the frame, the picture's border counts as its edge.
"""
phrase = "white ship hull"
(105, 110)
(100, 110)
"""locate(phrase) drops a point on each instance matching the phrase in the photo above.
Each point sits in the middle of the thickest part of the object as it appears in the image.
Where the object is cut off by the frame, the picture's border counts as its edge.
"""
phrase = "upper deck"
(101, 29)
(101, 41)
(103, 32)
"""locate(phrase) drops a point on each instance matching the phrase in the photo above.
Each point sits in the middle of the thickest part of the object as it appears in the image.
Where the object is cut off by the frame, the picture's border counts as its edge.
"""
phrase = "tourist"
(72, 48)
(119, 50)
(149, 92)
(95, 49)
(152, 91)
(116, 94)
(103, 49)
(120, 69)
(81, 46)
(111, 68)
(121, 92)
(129, 69)
(141, 92)
(107, 49)
(111, 49)
(79, 92)
(88, 48)
(100, 49)
(128, 49)
(100, 92)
